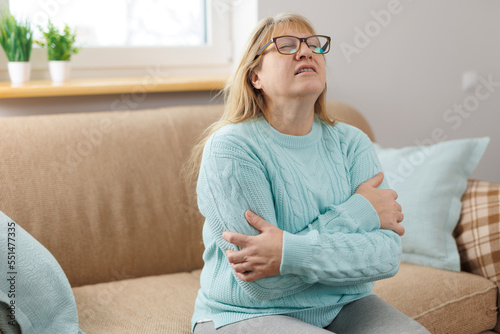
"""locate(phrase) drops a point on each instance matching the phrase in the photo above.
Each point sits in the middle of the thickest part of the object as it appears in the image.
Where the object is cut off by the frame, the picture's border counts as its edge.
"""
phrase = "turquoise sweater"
(333, 247)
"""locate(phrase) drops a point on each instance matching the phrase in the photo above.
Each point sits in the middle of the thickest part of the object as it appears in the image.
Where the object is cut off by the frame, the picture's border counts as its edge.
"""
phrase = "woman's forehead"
(291, 29)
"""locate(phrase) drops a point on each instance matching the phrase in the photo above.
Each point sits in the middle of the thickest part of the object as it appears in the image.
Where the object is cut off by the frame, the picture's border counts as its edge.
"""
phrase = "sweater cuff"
(296, 253)
(362, 213)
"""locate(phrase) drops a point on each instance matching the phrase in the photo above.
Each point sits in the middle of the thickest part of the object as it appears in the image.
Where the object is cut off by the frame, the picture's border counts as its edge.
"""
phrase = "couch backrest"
(102, 192)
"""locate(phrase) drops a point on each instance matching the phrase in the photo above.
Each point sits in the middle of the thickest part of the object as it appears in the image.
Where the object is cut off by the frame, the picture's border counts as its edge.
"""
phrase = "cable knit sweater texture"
(333, 247)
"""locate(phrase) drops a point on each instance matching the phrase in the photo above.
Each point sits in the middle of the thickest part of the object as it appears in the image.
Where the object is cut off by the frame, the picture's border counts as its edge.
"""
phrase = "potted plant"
(60, 46)
(16, 38)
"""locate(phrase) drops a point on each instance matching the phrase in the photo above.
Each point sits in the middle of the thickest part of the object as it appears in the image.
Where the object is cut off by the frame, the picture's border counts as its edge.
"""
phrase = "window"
(134, 34)
(119, 23)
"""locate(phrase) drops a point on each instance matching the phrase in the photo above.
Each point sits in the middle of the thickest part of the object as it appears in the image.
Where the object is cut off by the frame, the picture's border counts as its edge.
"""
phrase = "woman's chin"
(312, 90)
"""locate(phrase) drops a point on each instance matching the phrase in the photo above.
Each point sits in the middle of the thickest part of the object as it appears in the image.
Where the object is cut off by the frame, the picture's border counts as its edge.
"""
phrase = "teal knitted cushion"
(34, 291)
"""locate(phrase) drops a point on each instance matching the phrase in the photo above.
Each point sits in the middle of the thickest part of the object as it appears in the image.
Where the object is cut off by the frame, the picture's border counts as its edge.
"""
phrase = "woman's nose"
(304, 51)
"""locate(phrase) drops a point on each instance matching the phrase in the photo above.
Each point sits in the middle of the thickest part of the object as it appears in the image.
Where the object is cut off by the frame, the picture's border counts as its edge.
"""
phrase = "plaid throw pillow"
(478, 231)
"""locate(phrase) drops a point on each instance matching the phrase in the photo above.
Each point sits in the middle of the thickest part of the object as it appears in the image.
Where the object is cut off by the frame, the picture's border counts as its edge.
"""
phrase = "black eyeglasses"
(289, 45)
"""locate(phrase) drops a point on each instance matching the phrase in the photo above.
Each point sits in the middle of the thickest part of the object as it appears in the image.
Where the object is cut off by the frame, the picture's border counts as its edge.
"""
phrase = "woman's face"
(282, 77)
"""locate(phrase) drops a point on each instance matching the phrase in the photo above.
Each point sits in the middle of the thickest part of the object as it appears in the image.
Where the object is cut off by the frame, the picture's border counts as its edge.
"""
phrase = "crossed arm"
(260, 255)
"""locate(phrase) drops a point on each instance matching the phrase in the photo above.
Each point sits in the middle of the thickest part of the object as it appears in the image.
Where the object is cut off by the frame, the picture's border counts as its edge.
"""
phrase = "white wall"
(407, 76)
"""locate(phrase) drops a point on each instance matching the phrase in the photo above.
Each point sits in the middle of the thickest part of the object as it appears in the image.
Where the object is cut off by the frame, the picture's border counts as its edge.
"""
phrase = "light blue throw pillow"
(33, 286)
(430, 181)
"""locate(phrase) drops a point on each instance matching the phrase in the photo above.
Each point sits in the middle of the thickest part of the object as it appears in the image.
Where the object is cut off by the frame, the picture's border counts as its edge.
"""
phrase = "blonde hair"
(242, 100)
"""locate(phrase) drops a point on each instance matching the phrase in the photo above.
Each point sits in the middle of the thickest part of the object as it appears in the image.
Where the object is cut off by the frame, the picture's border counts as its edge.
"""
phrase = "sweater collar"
(290, 141)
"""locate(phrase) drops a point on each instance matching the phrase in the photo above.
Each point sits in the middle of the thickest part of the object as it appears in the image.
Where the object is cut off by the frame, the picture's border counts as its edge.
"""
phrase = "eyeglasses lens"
(290, 45)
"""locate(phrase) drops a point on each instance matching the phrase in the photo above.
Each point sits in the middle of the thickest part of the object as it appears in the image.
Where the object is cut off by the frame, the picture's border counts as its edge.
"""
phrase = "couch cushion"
(441, 300)
(155, 304)
(478, 232)
(430, 181)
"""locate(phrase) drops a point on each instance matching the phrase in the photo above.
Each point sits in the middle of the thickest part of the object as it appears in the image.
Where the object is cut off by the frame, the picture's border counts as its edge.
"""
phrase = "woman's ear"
(256, 80)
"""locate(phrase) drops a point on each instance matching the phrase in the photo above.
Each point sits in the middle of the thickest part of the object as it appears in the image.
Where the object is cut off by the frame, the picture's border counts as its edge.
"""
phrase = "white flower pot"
(59, 70)
(19, 72)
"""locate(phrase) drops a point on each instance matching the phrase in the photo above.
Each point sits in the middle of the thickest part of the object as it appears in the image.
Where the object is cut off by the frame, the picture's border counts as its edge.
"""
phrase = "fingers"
(388, 193)
(376, 180)
(244, 270)
(242, 240)
(235, 256)
(394, 194)
(241, 267)
(260, 255)
(237, 239)
(248, 276)
(399, 229)
(256, 221)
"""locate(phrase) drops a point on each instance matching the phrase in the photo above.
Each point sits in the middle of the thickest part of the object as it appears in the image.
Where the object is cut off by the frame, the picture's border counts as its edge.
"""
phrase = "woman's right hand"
(384, 202)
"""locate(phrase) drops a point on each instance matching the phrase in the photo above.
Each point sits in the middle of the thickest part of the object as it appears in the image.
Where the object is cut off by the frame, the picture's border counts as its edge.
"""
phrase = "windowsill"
(105, 86)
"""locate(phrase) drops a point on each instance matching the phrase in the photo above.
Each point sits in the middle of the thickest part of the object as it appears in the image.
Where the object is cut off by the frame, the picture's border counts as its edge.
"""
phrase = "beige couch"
(102, 192)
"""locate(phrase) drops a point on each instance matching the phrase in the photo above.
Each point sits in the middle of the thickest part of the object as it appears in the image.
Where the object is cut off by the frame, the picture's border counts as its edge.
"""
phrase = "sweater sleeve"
(357, 213)
(354, 251)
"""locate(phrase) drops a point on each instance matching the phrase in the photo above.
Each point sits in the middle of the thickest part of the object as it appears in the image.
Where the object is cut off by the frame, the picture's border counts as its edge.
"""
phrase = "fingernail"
(250, 213)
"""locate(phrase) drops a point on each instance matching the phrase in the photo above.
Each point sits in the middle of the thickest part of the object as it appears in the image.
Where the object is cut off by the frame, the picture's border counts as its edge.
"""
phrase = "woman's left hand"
(260, 255)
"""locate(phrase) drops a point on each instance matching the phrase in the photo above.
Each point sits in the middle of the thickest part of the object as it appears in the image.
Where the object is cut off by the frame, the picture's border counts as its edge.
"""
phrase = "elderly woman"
(299, 221)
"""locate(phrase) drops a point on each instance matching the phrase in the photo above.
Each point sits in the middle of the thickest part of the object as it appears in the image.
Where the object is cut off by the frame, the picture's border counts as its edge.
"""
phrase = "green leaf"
(15, 37)
(60, 46)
